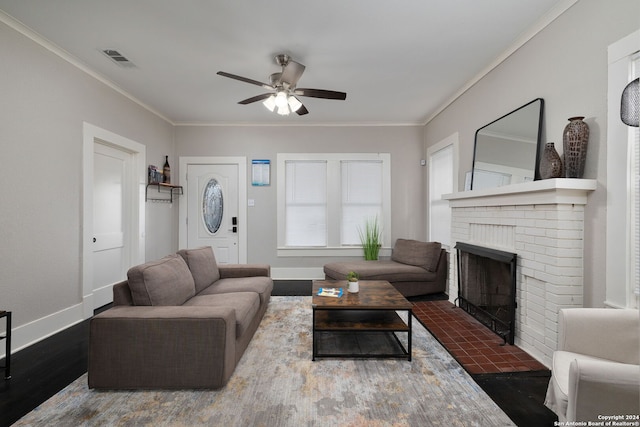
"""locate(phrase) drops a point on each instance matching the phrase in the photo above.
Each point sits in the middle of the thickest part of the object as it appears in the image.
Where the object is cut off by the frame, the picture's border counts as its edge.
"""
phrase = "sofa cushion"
(166, 281)
(203, 266)
(390, 271)
(557, 397)
(259, 284)
(420, 254)
(245, 305)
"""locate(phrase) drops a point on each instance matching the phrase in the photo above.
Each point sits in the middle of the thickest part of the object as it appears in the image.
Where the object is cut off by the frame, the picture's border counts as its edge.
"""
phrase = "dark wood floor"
(43, 369)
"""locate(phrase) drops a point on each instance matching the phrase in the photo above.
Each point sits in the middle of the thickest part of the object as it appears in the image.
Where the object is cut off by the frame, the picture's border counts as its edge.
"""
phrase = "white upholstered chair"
(596, 368)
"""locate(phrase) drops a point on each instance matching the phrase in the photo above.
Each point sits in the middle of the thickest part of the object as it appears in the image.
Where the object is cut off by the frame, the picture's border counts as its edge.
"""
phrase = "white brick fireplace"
(542, 222)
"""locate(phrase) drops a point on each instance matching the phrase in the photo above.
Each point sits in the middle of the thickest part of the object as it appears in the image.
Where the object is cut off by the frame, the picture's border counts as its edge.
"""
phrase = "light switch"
(251, 202)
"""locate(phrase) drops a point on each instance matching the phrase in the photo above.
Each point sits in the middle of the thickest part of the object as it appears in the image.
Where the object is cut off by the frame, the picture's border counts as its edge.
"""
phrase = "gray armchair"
(596, 368)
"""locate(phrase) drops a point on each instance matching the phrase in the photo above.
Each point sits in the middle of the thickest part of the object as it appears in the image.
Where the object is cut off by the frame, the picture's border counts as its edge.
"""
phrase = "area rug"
(277, 384)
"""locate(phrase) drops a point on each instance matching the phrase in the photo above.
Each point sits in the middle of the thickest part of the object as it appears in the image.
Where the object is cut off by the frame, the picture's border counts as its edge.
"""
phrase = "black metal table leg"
(7, 337)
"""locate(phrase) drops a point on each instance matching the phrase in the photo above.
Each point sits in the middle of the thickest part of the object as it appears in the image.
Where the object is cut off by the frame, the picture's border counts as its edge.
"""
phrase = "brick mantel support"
(543, 222)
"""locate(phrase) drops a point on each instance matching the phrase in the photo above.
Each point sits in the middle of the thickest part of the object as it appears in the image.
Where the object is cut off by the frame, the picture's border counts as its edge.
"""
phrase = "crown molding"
(280, 125)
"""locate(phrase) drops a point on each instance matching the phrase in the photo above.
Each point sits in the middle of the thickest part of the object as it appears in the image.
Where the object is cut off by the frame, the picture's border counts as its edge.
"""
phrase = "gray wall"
(43, 105)
(566, 64)
(264, 142)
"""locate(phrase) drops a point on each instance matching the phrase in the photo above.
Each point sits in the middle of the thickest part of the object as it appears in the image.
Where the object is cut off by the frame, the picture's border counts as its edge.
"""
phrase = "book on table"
(330, 292)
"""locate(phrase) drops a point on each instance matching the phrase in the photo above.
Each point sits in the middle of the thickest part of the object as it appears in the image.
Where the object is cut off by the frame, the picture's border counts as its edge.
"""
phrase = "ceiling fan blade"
(255, 98)
(291, 73)
(321, 93)
(302, 111)
(244, 79)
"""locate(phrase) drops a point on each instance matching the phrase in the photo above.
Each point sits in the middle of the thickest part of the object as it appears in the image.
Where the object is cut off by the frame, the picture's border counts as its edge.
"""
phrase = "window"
(323, 200)
(623, 210)
(634, 154)
(441, 179)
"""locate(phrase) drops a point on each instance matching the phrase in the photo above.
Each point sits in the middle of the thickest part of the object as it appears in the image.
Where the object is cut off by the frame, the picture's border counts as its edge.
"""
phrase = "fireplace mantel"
(547, 191)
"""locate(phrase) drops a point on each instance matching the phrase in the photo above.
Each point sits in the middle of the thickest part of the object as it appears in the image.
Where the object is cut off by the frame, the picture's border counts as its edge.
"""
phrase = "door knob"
(94, 240)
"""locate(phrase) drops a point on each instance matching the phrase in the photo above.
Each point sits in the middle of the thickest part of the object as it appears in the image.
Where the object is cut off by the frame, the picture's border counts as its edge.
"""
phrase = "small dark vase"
(550, 163)
(575, 139)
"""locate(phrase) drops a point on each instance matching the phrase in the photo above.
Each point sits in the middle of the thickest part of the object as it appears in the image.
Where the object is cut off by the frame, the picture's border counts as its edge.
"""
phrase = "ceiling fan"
(284, 92)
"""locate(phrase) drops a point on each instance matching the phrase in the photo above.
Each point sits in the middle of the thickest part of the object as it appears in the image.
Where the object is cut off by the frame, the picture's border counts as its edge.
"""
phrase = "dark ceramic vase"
(550, 163)
(575, 139)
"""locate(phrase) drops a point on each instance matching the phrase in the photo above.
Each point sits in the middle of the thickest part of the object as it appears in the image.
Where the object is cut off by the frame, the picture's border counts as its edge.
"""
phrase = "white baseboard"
(310, 273)
(30, 333)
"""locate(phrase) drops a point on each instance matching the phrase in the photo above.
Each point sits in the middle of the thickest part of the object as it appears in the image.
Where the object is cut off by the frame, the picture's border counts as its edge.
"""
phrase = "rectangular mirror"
(507, 150)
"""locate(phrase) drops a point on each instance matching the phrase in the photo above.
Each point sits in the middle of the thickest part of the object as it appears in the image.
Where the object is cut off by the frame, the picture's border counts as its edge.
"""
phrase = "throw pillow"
(203, 266)
(167, 281)
(421, 254)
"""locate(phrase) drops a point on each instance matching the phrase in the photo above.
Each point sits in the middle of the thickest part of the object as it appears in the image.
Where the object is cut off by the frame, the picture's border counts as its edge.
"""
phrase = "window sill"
(323, 252)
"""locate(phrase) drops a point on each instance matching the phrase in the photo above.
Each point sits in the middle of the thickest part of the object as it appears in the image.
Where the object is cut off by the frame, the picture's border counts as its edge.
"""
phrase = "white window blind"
(306, 203)
(440, 182)
(361, 197)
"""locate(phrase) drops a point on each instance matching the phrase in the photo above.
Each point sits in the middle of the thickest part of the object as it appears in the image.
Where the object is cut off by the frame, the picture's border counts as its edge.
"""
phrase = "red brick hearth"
(471, 343)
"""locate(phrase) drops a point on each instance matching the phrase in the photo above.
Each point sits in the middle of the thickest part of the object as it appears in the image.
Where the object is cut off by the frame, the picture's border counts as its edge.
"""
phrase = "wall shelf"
(163, 188)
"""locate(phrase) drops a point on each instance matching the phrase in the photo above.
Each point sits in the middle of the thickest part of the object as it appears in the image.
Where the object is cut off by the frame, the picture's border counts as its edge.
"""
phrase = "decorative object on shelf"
(550, 163)
(370, 238)
(352, 279)
(575, 139)
(166, 171)
(154, 175)
(630, 104)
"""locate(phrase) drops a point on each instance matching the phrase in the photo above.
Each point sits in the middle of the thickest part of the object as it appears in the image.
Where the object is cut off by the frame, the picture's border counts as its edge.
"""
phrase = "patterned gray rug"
(277, 384)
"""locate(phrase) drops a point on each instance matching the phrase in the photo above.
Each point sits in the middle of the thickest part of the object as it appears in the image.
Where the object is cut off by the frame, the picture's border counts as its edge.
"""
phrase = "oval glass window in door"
(212, 205)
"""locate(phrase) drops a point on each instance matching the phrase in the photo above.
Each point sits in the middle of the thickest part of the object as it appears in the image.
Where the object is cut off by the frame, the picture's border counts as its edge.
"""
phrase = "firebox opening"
(487, 287)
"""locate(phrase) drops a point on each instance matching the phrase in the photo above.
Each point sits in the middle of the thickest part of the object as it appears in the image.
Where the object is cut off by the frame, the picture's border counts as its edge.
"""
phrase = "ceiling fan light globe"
(294, 103)
(284, 111)
(270, 103)
(281, 100)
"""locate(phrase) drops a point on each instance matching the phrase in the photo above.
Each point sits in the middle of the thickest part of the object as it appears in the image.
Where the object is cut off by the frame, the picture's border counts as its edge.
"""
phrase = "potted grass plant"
(371, 238)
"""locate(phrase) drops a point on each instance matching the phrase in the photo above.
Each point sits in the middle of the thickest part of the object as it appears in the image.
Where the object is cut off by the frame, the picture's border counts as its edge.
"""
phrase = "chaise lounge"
(180, 322)
(415, 268)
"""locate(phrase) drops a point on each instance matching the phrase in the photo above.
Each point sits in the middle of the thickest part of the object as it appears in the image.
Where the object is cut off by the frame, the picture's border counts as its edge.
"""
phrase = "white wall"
(566, 64)
(44, 102)
(264, 142)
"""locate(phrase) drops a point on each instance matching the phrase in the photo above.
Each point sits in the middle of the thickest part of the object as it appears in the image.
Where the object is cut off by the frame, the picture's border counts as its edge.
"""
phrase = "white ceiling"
(400, 61)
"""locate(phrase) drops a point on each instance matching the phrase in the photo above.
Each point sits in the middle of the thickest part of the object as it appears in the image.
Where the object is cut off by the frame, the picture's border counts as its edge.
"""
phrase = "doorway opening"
(114, 177)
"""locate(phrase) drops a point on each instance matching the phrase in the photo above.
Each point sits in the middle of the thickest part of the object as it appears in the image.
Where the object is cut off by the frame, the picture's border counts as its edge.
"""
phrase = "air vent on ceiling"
(118, 58)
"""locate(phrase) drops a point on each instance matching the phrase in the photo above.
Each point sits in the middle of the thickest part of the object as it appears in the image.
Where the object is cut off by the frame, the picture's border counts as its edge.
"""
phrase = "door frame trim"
(91, 134)
(241, 162)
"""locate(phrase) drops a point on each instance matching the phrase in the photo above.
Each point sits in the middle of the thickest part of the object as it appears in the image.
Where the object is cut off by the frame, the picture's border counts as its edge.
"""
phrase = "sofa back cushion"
(166, 281)
(203, 266)
(421, 254)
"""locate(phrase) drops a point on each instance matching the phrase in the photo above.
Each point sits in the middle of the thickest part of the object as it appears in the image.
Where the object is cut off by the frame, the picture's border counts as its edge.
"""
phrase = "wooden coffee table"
(372, 310)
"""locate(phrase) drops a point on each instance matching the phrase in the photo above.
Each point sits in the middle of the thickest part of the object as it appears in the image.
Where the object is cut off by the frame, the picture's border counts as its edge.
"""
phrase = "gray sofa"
(181, 322)
(415, 268)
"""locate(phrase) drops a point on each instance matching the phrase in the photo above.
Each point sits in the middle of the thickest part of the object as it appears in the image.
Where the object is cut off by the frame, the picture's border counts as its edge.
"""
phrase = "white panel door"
(110, 235)
(212, 213)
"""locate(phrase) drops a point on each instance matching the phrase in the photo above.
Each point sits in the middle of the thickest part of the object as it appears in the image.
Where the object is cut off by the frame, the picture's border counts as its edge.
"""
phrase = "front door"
(212, 212)
(111, 202)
